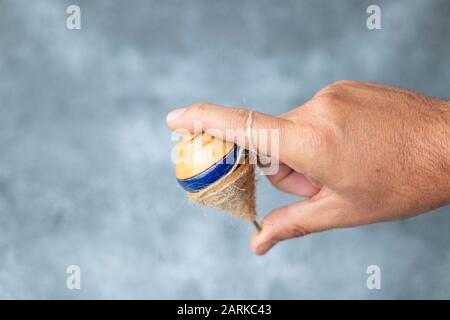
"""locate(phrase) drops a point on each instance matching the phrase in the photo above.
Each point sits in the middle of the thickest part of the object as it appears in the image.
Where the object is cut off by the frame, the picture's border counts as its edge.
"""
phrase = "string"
(252, 152)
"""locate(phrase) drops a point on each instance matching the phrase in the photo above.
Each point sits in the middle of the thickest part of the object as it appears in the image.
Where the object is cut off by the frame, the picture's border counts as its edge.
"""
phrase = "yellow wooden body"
(197, 153)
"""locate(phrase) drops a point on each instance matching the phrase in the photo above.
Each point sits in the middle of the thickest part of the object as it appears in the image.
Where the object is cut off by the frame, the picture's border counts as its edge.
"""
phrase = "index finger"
(271, 136)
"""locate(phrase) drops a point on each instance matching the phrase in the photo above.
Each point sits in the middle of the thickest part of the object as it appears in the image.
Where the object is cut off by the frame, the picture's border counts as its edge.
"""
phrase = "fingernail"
(175, 114)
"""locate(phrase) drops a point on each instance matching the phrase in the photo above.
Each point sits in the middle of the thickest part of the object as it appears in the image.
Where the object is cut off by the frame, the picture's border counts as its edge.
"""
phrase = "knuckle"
(331, 88)
(332, 105)
(297, 231)
(336, 88)
(328, 99)
(199, 107)
(238, 118)
(342, 83)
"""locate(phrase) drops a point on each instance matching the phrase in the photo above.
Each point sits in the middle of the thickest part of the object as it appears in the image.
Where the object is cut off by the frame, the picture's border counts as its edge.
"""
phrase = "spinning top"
(217, 174)
(203, 160)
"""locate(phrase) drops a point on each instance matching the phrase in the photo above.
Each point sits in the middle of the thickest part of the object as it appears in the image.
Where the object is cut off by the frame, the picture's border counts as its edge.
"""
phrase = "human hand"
(359, 152)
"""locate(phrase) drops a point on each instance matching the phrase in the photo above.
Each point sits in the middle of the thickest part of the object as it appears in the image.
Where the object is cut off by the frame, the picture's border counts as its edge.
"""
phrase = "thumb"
(296, 220)
(272, 136)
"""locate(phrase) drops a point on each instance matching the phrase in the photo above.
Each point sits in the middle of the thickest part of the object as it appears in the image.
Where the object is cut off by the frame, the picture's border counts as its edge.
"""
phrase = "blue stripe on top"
(212, 174)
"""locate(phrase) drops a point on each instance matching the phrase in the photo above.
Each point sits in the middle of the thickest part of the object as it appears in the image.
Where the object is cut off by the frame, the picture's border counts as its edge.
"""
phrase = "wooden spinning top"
(217, 174)
(202, 160)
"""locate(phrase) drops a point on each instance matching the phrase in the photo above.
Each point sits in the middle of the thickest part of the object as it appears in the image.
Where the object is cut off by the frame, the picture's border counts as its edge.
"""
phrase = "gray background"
(86, 175)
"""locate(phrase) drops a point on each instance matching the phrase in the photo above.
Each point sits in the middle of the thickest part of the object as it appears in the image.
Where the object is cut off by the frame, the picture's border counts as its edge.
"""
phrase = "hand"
(360, 153)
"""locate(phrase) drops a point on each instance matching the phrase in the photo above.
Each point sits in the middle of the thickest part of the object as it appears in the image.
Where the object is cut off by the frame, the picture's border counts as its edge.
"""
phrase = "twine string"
(252, 151)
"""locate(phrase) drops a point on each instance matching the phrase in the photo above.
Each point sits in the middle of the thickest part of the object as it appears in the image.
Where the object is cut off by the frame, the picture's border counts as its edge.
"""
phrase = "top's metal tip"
(257, 226)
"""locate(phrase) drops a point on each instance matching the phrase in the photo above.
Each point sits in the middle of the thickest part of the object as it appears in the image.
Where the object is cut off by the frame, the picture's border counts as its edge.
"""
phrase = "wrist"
(442, 140)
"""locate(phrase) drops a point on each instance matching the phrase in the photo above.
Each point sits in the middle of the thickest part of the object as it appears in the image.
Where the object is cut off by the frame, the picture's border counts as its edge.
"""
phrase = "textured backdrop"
(86, 176)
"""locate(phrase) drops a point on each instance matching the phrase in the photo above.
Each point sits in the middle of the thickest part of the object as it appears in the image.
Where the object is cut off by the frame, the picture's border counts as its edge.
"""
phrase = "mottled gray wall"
(85, 170)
